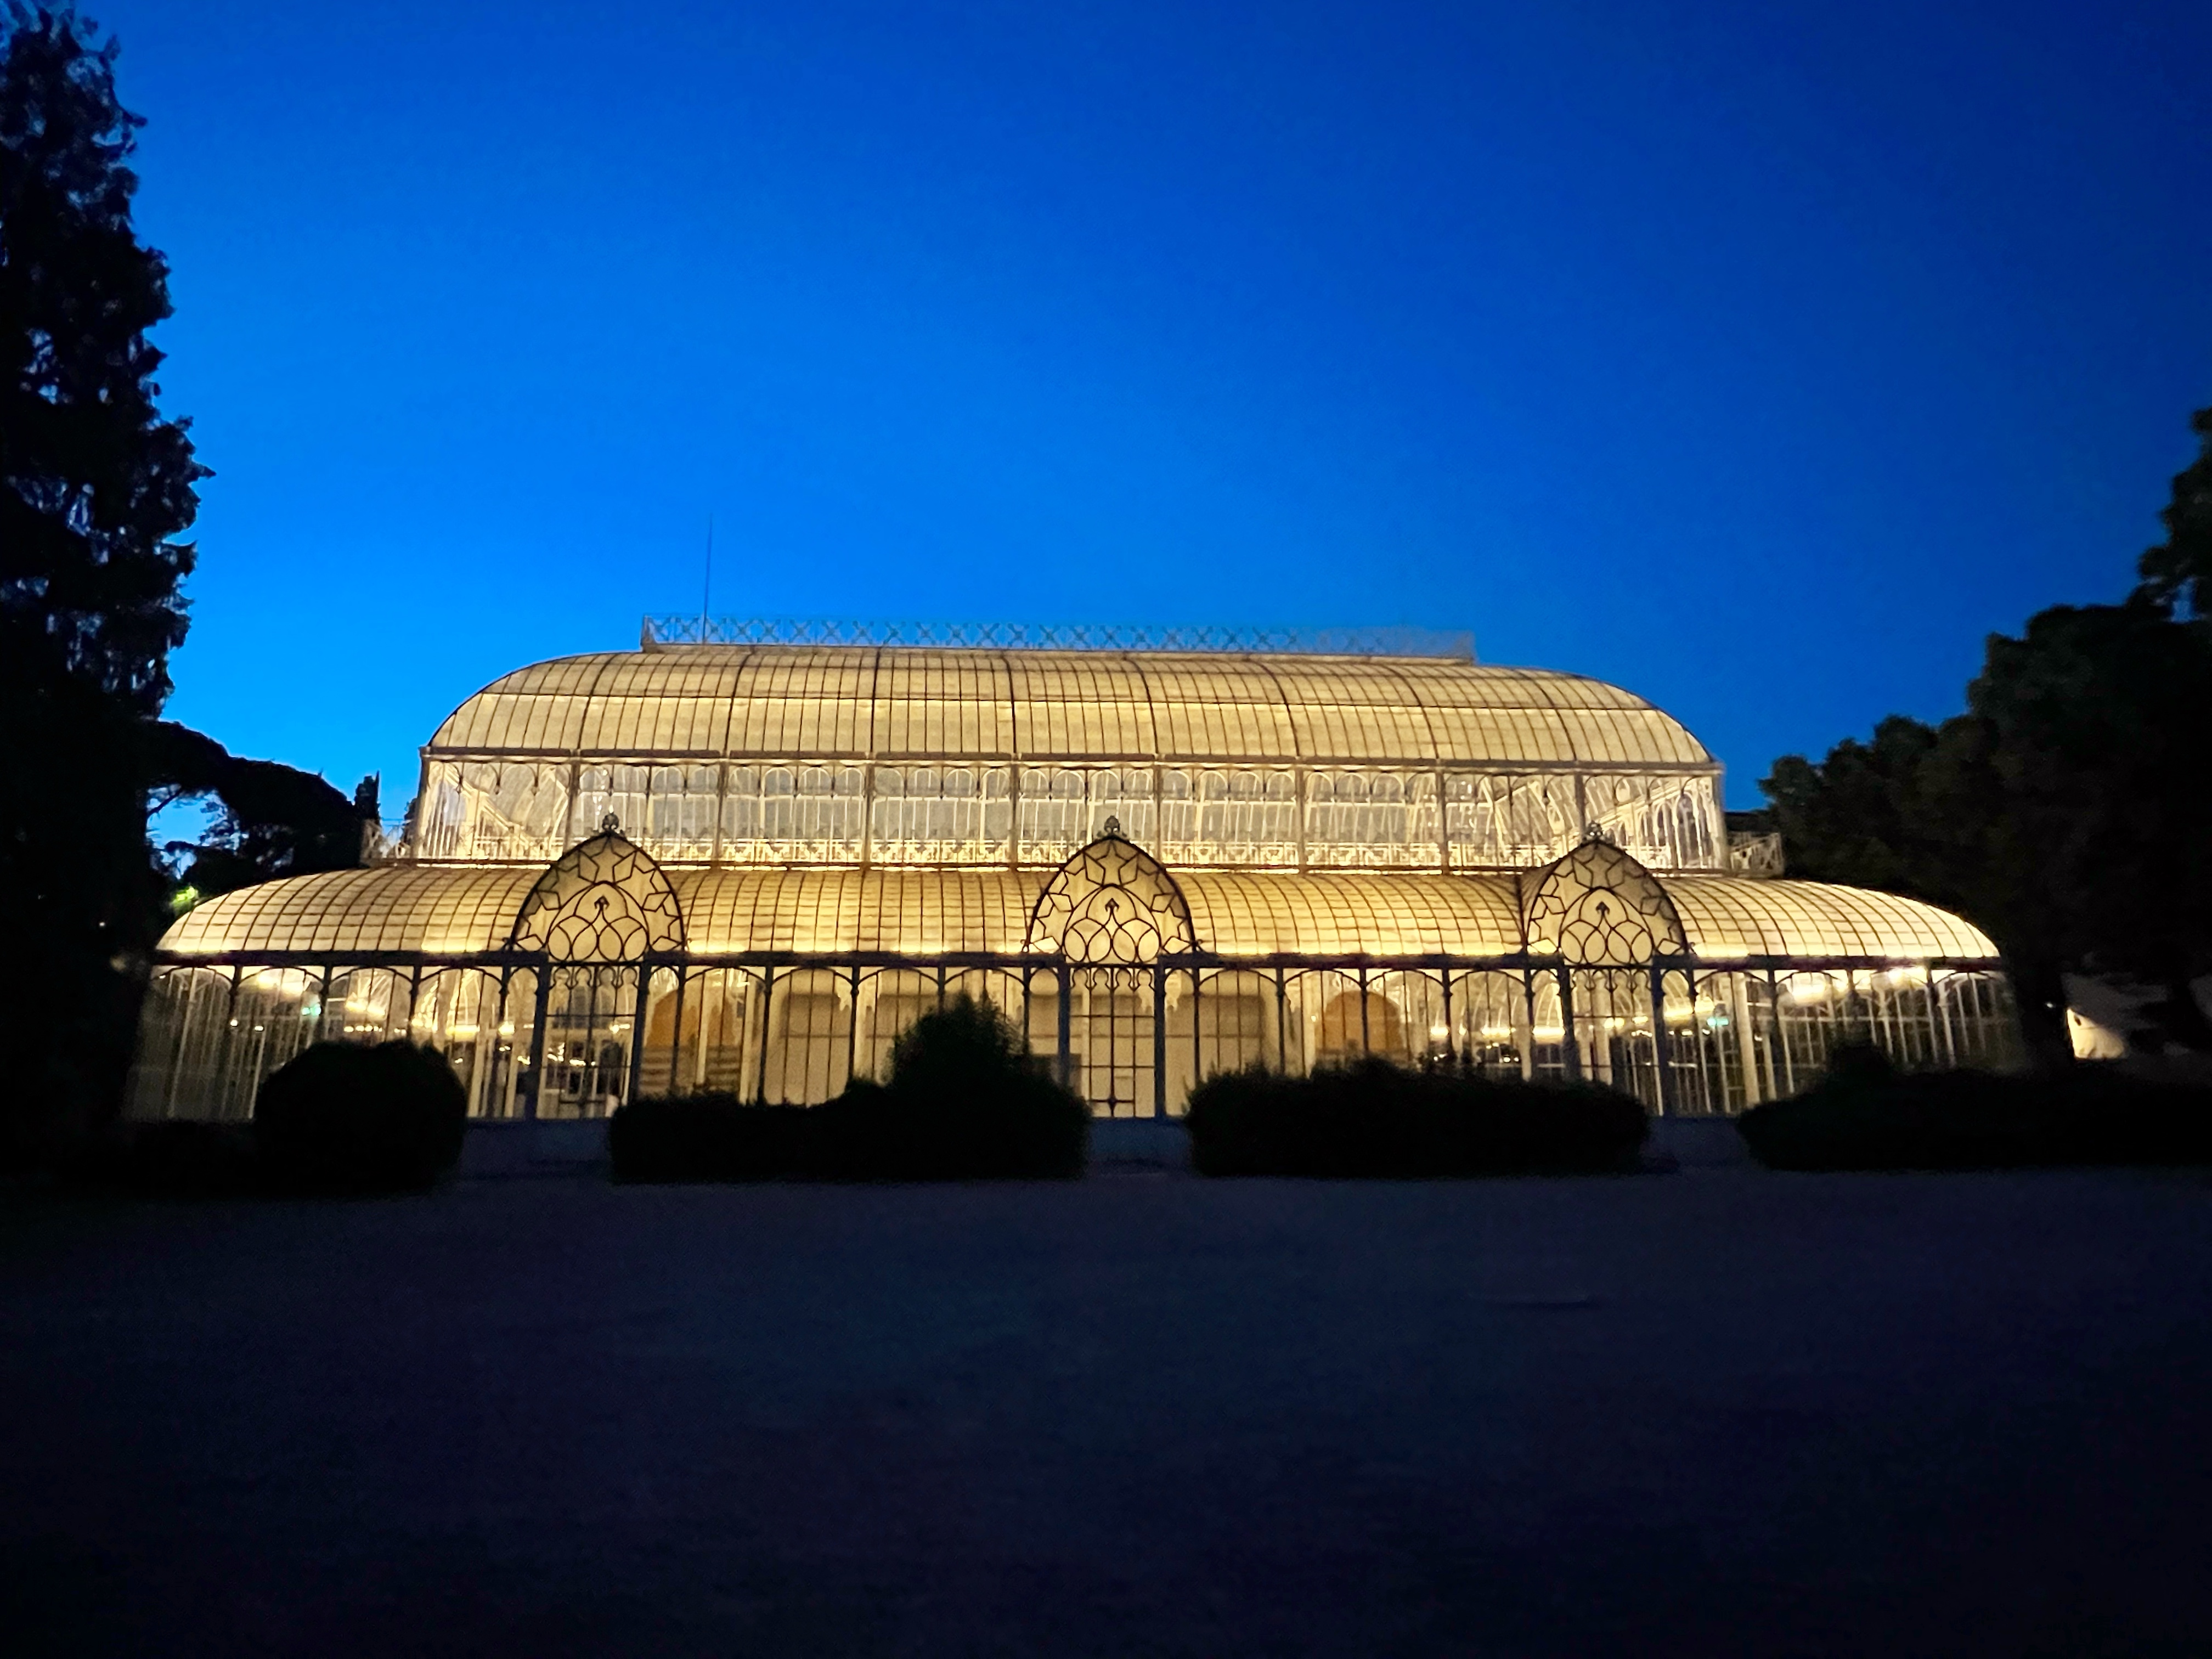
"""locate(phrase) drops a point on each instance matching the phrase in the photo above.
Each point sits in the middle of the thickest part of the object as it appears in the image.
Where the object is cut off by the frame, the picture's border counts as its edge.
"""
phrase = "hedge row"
(1866, 1115)
(338, 1118)
(965, 1102)
(1375, 1118)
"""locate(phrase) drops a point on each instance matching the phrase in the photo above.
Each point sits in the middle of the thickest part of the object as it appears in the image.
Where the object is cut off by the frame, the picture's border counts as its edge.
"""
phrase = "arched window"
(1111, 904)
(604, 900)
(1598, 908)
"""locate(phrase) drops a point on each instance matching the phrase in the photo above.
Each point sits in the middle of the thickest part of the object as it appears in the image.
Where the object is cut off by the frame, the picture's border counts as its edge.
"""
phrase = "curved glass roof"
(390, 908)
(1733, 917)
(889, 702)
(449, 909)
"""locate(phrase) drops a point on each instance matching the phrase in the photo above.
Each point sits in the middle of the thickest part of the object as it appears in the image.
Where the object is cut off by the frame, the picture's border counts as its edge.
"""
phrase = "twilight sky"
(1758, 358)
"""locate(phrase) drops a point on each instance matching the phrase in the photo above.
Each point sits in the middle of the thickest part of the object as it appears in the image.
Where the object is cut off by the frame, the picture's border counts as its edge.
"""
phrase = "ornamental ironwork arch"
(1112, 905)
(604, 900)
(1599, 907)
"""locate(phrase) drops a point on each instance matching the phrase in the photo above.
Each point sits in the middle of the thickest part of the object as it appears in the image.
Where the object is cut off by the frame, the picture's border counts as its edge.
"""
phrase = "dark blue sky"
(1760, 358)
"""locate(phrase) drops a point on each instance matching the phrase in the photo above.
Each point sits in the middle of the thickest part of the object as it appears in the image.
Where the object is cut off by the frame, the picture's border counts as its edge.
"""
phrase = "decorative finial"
(1595, 831)
(611, 826)
(1113, 826)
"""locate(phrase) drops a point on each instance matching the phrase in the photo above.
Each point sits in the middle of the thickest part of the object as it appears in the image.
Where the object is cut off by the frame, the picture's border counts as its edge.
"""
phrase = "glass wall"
(1136, 1040)
(1279, 817)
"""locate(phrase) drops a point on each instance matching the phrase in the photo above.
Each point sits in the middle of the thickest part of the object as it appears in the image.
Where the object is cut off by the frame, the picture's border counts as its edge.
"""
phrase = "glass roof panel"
(817, 700)
(1733, 917)
(446, 908)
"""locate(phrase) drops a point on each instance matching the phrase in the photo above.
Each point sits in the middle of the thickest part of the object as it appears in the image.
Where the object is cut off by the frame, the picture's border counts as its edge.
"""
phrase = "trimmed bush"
(1373, 1118)
(342, 1117)
(708, 1136)
(966, 1101)
(1866, 1115)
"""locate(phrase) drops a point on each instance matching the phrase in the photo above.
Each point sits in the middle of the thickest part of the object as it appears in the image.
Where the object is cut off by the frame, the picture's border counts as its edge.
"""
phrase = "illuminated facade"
(748, 865)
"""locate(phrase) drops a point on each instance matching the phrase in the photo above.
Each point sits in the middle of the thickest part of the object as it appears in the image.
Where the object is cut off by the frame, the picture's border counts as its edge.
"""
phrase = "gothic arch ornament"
(604, 900)
(1599, 907)
(1112, 905)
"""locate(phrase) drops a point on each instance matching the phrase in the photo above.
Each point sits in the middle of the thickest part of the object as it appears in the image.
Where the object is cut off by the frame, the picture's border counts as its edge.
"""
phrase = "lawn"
(1709, 1414)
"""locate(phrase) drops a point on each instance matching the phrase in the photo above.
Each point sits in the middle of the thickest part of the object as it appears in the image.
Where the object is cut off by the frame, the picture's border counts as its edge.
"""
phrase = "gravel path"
(1705, 1414)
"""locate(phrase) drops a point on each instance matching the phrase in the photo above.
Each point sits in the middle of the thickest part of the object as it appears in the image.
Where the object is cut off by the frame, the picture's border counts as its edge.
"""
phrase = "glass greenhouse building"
(748, 864)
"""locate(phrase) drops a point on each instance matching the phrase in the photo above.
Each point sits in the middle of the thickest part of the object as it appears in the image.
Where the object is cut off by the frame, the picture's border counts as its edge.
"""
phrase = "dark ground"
(1702, 1414)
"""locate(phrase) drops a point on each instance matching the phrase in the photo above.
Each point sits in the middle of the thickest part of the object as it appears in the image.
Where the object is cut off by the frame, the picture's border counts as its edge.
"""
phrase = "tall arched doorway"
(596, 915)
(1113, 913)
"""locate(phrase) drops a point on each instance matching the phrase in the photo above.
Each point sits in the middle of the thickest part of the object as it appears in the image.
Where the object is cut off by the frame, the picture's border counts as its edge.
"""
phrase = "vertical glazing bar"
(1282, 1025)
(501, 1101)
(637, 1033)
(181, 1028)
(543, 1001)
(853, 1023)
(1197, 1038)
(1451, 1026)
(1939, 1017)
(676, 1035)
(1747, 1045)
(1524, 1031)
(1571, 1039)
(1365, 1046)
(767, 1027)
(1661, 1059)
(222, 1057)
(1159, 1041)
(1066, 996)
(1777, 1045)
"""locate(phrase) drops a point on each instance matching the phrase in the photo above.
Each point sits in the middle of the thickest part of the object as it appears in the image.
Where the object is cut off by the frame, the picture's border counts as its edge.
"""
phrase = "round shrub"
(342, 1117)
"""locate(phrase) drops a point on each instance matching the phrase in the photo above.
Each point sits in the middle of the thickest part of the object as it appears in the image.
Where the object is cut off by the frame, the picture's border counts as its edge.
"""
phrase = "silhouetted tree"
(272, 820)
(2177, 573)
(2062, 810)
(94, 487)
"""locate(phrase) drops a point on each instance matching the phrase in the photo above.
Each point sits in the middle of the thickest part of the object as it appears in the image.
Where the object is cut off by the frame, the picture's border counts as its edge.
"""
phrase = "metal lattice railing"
(668, 631)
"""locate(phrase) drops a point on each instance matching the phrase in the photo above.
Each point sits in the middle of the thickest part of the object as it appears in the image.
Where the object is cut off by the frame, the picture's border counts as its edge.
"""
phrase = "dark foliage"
(2062, 809)
(342, 1117)
(2177, 573)
(1865, 1114)
(274, 820)
(94, 483)
(708, 1137)
(1373, 1118)
(175, 1159)
(966, 1101)
(191, 1160)
(94, 487)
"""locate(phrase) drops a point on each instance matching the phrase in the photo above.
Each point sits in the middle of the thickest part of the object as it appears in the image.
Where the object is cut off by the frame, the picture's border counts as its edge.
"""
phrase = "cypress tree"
(95, 487)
